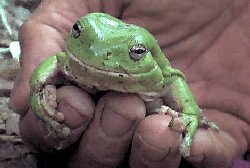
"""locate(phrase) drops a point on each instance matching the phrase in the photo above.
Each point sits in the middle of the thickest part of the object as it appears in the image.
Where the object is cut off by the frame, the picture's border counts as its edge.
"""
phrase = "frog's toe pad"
(177, 124)
(64, 132)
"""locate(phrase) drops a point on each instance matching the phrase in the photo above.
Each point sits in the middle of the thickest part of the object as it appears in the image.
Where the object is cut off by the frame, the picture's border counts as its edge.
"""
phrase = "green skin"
(104, 53)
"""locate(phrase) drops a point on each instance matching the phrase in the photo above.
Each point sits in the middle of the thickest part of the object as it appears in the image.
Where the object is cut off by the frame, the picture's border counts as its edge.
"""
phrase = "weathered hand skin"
(208, 41)
(103, 53)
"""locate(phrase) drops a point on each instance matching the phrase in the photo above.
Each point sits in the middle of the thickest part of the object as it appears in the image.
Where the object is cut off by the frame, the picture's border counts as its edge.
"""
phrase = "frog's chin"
(94, 69)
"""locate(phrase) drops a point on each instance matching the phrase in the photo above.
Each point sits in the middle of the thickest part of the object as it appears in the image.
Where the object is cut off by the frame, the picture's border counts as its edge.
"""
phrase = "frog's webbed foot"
(43, 96)
(48, 101)
(186, 124)
(44, 106)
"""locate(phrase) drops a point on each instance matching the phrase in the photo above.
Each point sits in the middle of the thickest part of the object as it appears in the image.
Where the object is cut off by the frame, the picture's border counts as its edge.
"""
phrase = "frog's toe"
(177, 124)
(191, 122)
(57, 130)
(185, 148)
(204, 123)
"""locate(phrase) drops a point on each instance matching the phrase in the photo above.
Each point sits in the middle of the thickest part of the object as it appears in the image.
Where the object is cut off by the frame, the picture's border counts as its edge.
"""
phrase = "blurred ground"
(13, 151)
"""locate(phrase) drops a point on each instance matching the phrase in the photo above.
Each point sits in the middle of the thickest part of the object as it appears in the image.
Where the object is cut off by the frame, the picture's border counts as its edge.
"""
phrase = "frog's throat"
(94, 69)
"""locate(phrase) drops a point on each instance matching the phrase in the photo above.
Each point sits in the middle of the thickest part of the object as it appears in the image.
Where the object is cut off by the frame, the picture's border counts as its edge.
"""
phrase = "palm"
(214, 59)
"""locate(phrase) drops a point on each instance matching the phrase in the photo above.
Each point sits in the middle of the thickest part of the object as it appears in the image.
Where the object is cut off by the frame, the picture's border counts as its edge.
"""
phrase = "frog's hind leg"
(43, 95)
(191, 123)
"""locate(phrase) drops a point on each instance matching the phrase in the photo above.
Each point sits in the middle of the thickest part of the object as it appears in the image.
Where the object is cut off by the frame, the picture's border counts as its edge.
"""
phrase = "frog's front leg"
(43, 95)
(179, 97)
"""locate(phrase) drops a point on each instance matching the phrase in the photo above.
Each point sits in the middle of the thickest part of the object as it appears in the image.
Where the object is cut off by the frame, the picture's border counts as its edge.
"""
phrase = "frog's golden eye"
(76, 30)
(137, 52)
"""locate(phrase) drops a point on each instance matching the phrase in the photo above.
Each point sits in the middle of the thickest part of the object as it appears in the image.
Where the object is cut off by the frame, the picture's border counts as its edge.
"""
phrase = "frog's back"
(108, 27)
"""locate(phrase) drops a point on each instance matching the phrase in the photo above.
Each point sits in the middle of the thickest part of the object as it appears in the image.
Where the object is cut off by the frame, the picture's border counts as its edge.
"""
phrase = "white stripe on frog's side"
(93, 69)
(146, 96)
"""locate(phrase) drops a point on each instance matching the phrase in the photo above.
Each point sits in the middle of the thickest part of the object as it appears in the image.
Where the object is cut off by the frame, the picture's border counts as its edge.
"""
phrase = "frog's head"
(111, 47)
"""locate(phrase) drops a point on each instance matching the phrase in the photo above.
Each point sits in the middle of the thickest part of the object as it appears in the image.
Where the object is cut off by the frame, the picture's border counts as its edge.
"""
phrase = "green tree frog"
(103, 53)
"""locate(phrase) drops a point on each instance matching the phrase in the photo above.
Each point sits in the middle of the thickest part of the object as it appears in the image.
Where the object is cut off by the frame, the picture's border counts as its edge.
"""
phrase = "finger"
(213, 149)
(78, 109)
(107, 139)
(155, 145)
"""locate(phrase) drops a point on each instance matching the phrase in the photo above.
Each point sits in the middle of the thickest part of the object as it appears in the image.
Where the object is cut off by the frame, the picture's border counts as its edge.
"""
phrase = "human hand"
(196, 38)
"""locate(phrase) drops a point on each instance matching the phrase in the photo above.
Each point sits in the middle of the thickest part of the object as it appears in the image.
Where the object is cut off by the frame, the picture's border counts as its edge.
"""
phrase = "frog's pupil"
(139, 51)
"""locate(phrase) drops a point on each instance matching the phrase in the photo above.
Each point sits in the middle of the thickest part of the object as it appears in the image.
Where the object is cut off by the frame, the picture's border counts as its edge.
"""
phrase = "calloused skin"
(208, 40)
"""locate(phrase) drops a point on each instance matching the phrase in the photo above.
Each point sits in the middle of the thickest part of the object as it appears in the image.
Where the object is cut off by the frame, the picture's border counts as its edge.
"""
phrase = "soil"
(13, 151)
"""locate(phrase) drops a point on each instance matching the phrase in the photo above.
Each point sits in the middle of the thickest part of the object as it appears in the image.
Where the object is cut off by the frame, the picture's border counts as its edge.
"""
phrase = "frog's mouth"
(94, 69)
(146, 95)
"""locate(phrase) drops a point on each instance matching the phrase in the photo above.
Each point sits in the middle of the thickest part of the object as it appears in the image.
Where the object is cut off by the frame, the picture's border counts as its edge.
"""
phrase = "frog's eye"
(137, 52)
(76, 30)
